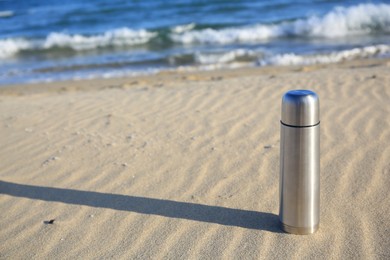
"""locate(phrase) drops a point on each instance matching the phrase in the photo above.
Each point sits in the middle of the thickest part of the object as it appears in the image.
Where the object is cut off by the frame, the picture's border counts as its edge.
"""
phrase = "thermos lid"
(300, 108)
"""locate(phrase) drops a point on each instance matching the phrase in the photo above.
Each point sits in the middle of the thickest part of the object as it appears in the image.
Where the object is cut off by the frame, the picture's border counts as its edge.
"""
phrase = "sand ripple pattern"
(190, 170)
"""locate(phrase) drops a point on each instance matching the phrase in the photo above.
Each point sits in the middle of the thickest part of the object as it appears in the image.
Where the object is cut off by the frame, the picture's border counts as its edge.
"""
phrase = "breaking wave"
(332, 57)
(9, 47)
(117, 37)
(263, 58)
(77, 42)
(340, 22)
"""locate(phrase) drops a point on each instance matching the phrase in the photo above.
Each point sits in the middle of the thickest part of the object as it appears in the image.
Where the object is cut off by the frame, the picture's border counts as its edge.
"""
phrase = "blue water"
(55, 40)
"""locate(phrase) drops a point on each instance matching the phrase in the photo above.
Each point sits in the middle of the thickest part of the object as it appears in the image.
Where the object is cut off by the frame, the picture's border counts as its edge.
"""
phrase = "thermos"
(299, 182)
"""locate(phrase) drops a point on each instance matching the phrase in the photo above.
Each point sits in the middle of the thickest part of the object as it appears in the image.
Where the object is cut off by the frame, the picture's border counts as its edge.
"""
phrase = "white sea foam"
(117, 37)
(248, 56)
(333, 57)
(355, 20)
(9, 47)
(183, 28)
(225, 36)
(225, 57)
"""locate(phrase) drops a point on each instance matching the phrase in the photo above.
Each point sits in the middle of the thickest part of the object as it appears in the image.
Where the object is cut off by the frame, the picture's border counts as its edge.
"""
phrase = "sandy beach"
(185, 165)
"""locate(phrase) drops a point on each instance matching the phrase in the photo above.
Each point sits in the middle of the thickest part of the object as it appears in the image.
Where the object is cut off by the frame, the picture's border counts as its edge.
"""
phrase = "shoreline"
(176, 77)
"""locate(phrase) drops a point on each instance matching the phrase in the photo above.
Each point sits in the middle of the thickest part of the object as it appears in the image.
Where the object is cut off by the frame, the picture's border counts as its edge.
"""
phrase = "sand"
(185, 165)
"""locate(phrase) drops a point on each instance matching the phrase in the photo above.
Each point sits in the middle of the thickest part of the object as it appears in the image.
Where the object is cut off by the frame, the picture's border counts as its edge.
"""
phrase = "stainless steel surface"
(299, 231)
(299, 210)
(300, 108)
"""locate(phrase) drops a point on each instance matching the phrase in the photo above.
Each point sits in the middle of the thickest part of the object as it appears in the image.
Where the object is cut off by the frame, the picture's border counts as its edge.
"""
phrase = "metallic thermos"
(299, 182)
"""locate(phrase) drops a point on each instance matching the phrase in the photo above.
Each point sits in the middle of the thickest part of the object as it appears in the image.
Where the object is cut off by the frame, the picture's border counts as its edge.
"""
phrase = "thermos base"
(299, 230)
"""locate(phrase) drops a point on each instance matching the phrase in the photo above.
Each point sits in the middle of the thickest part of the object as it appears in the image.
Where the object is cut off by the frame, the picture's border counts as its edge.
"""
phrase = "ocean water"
(57, 40)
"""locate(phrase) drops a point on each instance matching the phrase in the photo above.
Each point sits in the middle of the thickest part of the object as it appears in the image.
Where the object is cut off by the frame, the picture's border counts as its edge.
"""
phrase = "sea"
(51, 40)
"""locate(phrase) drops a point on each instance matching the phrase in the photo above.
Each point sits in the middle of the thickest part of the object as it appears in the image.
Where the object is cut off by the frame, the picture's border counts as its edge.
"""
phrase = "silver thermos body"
(299, 182)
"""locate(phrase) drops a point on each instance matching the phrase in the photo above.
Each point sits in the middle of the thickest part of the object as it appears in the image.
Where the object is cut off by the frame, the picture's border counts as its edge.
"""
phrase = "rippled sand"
(185, 165)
